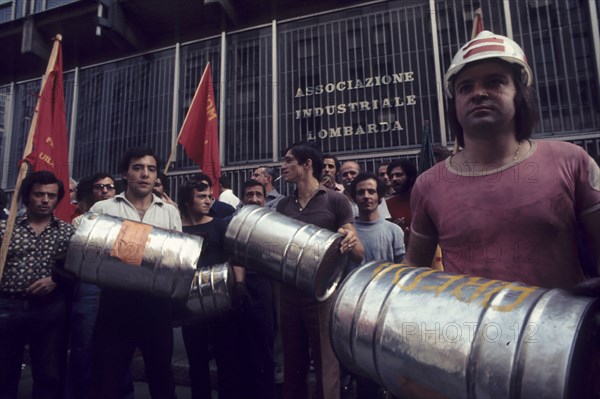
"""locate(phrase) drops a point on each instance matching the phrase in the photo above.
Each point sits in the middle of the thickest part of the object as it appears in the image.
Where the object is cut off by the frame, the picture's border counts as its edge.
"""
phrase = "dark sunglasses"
(104, 186)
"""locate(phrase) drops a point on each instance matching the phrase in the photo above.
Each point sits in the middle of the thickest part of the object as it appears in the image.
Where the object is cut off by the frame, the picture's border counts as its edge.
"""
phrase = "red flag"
(199, 132)
(50, 150)
(477, 23)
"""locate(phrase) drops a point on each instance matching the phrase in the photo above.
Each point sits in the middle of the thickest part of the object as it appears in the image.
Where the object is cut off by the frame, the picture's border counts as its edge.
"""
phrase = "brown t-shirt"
(328, 209)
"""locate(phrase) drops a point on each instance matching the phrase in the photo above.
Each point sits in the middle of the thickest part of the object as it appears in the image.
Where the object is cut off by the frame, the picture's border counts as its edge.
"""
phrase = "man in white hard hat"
(505, 207)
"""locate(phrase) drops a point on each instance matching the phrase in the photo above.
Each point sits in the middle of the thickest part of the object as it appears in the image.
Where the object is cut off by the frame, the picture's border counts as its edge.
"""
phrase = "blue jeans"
(83, 319)
(41, 323)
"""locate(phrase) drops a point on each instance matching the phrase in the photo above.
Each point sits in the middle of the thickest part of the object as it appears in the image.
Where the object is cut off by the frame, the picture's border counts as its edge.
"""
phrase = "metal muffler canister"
(212, 290)
(123, 254)
(463, 336)
(211, 295)
(294, 253)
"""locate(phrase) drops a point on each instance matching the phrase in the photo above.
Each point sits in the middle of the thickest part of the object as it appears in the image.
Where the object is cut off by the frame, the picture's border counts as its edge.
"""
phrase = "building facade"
(361, 81)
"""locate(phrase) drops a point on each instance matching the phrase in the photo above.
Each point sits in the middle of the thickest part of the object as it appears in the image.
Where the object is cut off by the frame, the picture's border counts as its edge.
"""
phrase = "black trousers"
(205, 340)
(40, 323)
(257, 337)
(127, 321)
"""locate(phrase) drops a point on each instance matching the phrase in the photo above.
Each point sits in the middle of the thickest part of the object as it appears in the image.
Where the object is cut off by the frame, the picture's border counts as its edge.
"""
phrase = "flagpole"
(12, 213)
(477, 28)
(185, 120)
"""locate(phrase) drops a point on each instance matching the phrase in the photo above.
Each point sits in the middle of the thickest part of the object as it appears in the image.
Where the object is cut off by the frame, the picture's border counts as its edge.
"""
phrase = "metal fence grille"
(121, 105)
(5, 115)
(249, 97)
(130, 102)
(370, 164)
(358, 81)
(25, 97)
(556, 36)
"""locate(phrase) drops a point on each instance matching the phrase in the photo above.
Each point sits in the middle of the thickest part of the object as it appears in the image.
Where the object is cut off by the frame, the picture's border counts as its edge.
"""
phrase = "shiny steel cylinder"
(296, 254)
(212, 291)
(123, 254)
(466, 337)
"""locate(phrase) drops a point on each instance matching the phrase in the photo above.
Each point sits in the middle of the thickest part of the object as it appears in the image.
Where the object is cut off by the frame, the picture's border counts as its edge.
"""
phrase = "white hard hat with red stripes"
(487, 45)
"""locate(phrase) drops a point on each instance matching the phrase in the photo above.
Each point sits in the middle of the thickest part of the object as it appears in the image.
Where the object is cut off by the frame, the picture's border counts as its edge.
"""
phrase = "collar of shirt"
(23, 221)
(155, 199)
(273, 194)
(320, 190)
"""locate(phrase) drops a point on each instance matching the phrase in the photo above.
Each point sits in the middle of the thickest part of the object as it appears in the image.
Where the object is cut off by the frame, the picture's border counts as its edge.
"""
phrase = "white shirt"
(229, 197)
(159, 214)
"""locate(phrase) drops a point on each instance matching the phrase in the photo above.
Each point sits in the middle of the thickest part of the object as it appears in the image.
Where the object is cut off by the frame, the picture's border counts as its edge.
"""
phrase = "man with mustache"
(256, 317)
(402, 174)
(32, 306)
(331, 165)
(381, 239)
(382, 174)
(348, 171)
(265, 175)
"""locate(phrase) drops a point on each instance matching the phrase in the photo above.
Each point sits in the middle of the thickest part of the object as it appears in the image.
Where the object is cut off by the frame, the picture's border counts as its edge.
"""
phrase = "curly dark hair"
(409, 169)
(42, 177)
(366, 176)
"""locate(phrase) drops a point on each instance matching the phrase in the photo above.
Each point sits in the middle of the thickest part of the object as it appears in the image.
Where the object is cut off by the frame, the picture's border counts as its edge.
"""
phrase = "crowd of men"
(539, 224)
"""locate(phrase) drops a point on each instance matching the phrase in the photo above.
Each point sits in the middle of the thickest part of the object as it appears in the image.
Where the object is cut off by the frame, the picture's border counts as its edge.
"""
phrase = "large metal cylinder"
(123, 254)
(463, 336)
(211, 295)
(212, 290)
(294, 253)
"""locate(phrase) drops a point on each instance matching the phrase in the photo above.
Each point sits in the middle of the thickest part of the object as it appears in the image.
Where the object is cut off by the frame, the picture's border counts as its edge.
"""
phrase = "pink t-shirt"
(515, 223)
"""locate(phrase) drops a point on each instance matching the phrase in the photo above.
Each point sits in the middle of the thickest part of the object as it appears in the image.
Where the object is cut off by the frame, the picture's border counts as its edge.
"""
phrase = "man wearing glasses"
(103, 188)
(99, 187)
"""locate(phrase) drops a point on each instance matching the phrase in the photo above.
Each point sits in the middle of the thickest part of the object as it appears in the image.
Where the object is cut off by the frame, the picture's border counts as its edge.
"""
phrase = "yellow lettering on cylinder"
(473, 282)
(438, 289)
(380, 268)
(417, 280)
(386, 268)
(524, 293)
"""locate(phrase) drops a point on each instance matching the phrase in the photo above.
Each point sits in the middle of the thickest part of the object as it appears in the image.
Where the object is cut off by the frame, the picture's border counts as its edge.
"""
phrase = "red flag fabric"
(50, 150)
(199, 132)
(477, 23)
